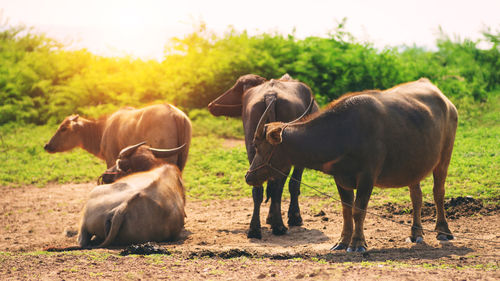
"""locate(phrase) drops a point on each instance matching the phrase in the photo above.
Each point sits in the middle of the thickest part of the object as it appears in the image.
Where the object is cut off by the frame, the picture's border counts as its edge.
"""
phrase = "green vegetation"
(41, 82)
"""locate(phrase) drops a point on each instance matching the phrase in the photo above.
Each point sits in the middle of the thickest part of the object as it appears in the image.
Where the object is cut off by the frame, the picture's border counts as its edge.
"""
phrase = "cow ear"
(74, 118)
(273, 135)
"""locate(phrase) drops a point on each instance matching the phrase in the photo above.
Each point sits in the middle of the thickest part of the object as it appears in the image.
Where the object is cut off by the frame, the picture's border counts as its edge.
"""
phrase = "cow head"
(66, 137)
(137, 158)
(269, 157)
(229, 103)
(270, 160)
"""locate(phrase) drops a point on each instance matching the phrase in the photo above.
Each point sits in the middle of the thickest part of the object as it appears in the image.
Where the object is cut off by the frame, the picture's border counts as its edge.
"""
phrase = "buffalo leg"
(417, 232)
(347, 198)
(363, 193)
(257, 195)
(439, 174)
(276, 190)
(294, 218)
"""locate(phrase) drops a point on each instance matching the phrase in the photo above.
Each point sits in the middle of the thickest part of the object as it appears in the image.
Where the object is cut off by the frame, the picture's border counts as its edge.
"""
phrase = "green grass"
(214, 171)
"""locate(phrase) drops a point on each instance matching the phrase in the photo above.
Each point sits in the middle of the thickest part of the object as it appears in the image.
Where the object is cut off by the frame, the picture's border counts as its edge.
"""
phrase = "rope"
(377, 215)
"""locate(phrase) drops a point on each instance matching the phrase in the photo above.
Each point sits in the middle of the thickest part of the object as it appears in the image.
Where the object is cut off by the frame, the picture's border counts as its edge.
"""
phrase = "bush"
(41, 82)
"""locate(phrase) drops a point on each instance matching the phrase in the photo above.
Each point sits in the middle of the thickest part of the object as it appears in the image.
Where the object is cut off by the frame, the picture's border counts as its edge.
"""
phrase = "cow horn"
(305, 112)
(164, 153)
(263, 119)
(129, 150)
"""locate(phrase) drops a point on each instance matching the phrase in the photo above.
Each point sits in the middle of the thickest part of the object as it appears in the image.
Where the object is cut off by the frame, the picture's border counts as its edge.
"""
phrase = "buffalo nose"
(46, 147)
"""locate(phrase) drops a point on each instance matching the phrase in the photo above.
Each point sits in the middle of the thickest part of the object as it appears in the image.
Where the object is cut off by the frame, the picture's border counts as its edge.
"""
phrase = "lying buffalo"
(390, 138)
(139, 206)
(161, 125)
(249, 97)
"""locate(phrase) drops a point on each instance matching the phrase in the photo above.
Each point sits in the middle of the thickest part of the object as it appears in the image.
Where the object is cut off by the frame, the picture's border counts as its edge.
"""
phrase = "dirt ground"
(214, 244)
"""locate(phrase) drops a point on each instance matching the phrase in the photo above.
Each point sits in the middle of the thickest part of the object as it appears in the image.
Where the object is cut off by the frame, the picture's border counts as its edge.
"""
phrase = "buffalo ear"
(74, 118)
(273, 135)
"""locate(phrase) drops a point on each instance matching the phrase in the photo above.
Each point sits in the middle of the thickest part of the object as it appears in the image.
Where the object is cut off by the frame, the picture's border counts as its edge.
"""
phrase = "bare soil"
(214, 244)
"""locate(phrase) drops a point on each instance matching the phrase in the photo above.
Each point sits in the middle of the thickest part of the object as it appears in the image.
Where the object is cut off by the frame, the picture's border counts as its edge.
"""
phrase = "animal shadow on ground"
(296, 235)
(421, 252)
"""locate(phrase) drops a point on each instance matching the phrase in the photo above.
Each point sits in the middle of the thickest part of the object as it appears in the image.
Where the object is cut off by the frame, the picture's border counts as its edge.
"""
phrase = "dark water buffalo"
(390, 138)
(249, 97)
(138, 206)
(161, 125)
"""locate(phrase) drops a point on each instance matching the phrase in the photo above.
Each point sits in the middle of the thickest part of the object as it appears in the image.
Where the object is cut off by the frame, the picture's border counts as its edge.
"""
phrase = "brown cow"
(161, 125)
(390, 138)
(140, 207)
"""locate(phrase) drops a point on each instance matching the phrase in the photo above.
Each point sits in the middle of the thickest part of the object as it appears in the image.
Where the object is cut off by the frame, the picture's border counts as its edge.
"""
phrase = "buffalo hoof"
(418, 239)
(359, 249)
(295, 220)
(444, 237)
(339, 247)
(254, 233)
(280, 230)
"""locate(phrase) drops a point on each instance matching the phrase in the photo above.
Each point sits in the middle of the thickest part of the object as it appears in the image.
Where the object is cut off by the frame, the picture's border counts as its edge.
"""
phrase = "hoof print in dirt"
(144, 249)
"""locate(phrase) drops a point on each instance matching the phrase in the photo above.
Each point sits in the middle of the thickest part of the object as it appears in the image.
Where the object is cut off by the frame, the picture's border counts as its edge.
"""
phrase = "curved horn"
(164, 153)
(308, 109)
(127, 151)
(263, 119)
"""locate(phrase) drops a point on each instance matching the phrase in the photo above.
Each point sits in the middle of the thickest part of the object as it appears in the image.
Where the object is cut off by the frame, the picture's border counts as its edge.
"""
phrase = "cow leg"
(363, 193)
(294, 218)
(257, 195)
(439, 174)
(417, 232)
(275, 188)
(347, 198)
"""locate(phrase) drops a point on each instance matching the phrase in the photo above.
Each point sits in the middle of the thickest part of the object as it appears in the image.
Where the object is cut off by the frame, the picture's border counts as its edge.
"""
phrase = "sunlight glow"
(141, 28)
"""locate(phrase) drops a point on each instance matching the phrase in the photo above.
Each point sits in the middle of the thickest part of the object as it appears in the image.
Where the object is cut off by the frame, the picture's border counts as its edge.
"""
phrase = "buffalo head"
(137, 158)
(229, 103)
(66, 137)
(271, 159)
(268, 159)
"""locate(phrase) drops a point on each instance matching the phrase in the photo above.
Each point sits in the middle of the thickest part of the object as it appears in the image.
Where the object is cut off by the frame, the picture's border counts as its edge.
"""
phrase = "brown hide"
(161, 126)
(390, 138)
(147, 206)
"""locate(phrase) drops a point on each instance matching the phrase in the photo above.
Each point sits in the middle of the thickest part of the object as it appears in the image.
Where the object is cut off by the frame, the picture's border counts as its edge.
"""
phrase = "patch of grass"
(205, 124)
(24, 161)
(215, 172)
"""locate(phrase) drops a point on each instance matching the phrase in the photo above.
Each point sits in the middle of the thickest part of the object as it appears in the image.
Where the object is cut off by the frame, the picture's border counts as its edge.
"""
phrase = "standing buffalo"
(249, 97)
(161, 125)
(143, 206)
(390, 138)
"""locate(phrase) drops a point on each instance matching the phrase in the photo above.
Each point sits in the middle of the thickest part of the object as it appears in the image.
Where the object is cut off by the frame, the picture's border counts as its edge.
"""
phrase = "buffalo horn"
(305, 112)
(129, 150)
(263, 119)
(164, 153)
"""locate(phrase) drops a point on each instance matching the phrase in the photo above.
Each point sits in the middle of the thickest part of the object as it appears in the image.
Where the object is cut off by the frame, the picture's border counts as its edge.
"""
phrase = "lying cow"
(138, 206)
(248, 98)
(390, 138)
(161, 125)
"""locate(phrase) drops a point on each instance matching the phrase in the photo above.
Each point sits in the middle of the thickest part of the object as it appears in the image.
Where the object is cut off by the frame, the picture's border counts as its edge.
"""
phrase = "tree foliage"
(41, 82)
